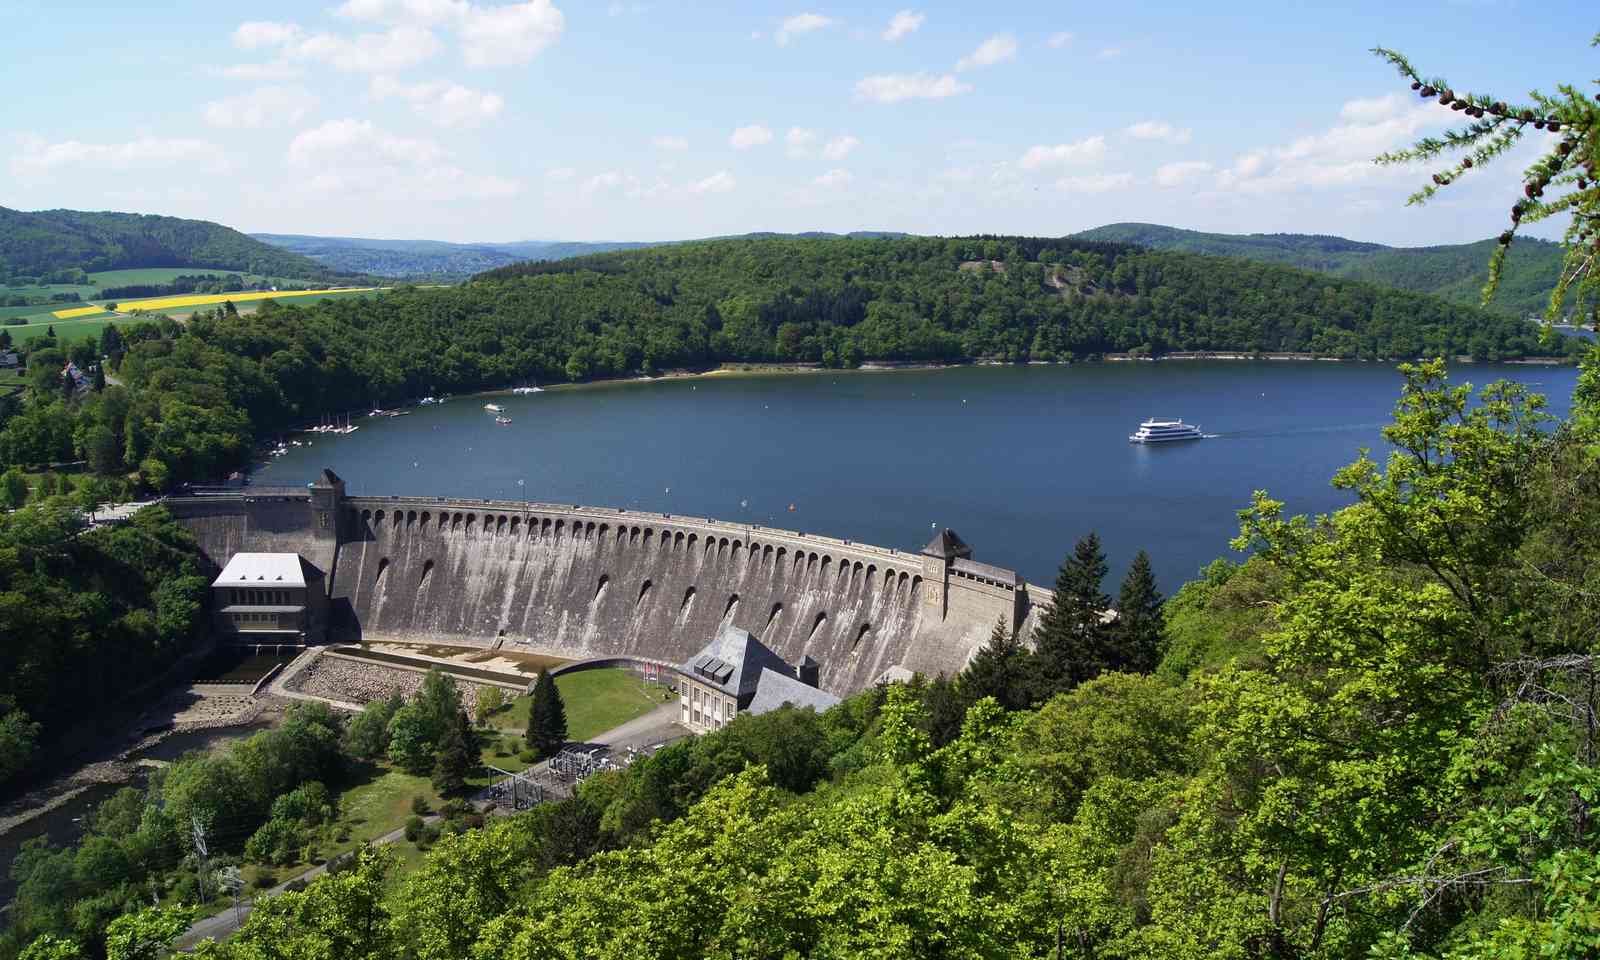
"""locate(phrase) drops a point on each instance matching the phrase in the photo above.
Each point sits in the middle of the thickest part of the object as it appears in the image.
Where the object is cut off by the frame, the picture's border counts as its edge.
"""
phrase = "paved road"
(656, 727)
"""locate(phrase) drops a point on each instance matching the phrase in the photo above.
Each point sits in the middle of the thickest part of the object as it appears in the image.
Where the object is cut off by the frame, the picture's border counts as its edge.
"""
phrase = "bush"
(413, 829)
(265, 879)
(420, 806)
(474, 821)
(430, 835)
(527, 756)
(296, 885)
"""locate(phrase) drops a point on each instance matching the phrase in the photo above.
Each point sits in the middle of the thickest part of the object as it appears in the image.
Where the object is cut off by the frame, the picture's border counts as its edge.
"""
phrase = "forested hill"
(1456, 272)
(437, 260)
(426, 259)
(41, 243)
(843, 301)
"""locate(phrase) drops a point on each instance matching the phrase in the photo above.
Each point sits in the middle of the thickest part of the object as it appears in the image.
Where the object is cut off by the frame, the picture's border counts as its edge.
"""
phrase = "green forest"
(1374, 737)
(50, 242)
(1456, 272)
(87, 616)
(185, 402)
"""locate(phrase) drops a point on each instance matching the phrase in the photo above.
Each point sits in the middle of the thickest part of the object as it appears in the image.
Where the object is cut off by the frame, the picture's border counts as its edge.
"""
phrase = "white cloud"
(754, 135)
(1096, 183)
(895, 87)
(720, 182)
(338, 140)
(38, 157)
(1110, 53)
(1087, 150)
(262, 107)
(800, 23)
(1373, 109)
(839, 147)
(269, 72)
(391, 50)
(801, 140)
(255, 34)
(903, 24)
(489, 36)
(444, 104)
(997, 49)
(427, 13)
(670, 143)
(1340, 156)
(510, 35)
(833, 178)
(560, 174)
(1058, 40)
(1159, 130)
(354, 156)
(1181, 172)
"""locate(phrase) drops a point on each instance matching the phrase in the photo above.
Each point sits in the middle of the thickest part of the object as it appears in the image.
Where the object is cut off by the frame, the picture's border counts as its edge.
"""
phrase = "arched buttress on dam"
(584, 582)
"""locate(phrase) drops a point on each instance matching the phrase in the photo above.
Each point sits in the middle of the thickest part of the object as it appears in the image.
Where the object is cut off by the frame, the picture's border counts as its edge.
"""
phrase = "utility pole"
(199, 830)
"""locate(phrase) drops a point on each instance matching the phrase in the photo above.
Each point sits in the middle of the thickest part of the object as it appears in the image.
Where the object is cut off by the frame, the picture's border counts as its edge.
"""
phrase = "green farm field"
(66, 330)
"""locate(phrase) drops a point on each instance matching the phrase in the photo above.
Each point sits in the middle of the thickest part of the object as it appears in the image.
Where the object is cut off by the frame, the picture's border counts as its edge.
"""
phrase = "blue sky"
(649, 120)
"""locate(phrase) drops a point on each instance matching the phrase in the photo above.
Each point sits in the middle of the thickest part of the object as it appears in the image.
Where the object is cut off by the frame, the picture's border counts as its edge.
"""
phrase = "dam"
(580, 582)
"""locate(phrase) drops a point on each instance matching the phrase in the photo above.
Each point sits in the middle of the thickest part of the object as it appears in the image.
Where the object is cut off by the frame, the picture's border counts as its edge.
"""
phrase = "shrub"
(266, 879)
(420, 806)
(296, 885)
(413, 829)
(527, 756)
(430, 834)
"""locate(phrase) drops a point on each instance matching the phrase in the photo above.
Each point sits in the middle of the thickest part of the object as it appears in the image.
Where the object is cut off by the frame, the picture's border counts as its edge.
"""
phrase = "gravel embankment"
(356, 682)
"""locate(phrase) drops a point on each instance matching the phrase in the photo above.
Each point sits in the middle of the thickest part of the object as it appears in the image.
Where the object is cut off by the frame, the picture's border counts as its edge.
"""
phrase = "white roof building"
(262, 569)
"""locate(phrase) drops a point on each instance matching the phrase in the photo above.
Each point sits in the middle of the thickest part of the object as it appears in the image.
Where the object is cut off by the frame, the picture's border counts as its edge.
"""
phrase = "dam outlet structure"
(584, 582)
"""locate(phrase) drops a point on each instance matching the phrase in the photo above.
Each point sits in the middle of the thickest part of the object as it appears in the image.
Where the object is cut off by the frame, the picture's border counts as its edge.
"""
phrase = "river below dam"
(1021, 461)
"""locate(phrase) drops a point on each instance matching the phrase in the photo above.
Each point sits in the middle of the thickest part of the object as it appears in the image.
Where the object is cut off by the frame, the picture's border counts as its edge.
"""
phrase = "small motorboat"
(502, 420)
(493, 407)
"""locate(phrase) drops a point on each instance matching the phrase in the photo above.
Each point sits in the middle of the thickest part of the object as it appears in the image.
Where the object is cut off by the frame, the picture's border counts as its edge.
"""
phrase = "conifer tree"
(1140, 629)
(999, 670)
(547, 718)
(455, 760)
(99, 378)
(1072, 639)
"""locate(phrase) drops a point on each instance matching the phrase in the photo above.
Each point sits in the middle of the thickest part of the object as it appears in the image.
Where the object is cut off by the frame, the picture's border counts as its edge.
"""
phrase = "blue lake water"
(1020, 461)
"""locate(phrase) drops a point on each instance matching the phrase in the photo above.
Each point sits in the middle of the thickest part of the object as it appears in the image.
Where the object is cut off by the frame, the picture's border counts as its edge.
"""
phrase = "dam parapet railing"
(623, 516)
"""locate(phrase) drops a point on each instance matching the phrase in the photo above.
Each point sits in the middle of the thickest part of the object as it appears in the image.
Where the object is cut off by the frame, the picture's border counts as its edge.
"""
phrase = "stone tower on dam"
(586, 581)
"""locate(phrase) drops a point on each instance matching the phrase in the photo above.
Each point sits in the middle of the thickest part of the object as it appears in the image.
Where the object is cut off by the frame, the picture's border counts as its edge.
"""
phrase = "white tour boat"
(492, 407)
(1161, 431)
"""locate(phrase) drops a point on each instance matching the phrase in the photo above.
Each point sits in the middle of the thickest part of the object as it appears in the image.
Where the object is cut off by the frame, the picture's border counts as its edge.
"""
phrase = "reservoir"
(1021, 461)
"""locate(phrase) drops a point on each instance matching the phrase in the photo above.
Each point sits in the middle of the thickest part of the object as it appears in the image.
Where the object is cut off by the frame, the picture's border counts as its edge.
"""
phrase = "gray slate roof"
(733, 662)
(947, 544)
(986, 570)
(774, 689)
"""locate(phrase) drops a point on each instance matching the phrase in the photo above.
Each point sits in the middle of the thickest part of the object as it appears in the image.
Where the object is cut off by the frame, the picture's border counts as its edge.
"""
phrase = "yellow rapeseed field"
(206, 299)
(76, 312)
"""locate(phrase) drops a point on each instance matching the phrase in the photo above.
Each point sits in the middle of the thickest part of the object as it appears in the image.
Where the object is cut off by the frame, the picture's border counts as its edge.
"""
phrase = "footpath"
(654, 727)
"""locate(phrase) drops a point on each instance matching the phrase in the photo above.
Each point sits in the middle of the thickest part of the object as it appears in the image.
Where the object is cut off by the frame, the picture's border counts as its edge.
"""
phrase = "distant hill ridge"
(1456, 272)
(46, 241)
(439, 260)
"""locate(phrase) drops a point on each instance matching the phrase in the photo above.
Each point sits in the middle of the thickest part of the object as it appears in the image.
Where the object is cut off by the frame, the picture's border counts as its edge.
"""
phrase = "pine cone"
(1416, 84)
(1467, 163)
(1428, 92)
(1553, 127)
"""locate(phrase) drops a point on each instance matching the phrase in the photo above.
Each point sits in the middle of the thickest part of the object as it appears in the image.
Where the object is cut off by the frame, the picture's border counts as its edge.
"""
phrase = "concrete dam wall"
(583, 582)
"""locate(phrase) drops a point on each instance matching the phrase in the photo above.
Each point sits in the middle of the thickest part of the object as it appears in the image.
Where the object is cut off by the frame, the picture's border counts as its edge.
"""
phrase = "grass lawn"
(596, 701)
(65, 329)
(375, 803)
